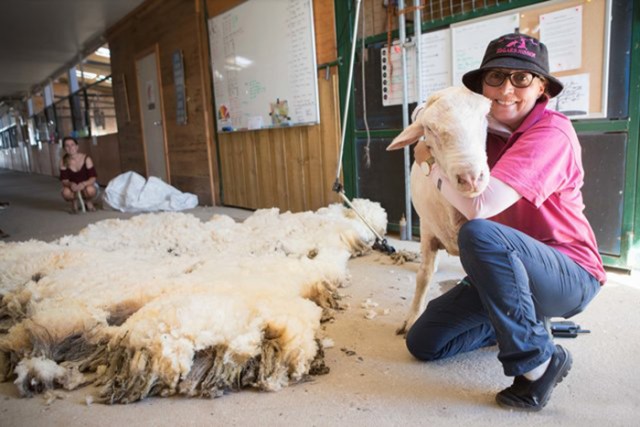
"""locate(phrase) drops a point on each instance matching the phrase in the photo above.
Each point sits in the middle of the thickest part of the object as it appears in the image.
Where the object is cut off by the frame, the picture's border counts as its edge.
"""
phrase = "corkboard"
(595, 15)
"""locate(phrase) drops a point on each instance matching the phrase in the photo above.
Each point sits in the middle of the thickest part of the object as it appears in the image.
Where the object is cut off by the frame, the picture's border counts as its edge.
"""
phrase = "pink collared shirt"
(542, 161)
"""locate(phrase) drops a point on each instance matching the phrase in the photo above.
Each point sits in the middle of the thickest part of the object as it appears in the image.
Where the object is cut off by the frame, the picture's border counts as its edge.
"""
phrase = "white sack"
(130, 192)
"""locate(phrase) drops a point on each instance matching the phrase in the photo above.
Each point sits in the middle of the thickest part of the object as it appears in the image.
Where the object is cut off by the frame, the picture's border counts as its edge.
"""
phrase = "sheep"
(163, 303)
(453, 123)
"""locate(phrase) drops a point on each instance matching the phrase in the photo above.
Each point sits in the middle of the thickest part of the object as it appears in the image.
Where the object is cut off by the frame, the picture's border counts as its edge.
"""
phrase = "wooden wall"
(15, 158)
(379, 19)
(376, 18)
(105, 155)
(294, 168)
(171, 25)
(45, 159)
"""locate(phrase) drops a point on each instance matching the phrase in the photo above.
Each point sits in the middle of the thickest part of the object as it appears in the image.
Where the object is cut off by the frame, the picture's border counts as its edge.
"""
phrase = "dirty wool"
(164, 304)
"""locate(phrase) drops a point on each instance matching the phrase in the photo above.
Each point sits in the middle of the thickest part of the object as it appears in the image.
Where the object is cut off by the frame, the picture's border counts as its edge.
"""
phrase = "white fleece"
(178, 285)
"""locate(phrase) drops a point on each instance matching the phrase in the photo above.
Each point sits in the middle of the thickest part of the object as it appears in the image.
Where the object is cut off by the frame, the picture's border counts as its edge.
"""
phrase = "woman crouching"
(78, 176)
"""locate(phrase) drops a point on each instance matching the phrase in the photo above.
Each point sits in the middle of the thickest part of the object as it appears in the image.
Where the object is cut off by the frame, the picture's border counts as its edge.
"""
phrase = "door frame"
(155, 48)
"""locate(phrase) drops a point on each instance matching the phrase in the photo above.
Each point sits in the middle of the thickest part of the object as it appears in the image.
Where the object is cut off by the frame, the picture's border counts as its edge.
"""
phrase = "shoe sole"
(562, 373)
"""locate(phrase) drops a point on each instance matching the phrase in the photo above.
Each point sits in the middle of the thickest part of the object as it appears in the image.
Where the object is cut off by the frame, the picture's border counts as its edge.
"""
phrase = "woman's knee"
(89, 192)
(425, 339)
(67, 194)
(422, 346)
(477, 234)
(473, 230)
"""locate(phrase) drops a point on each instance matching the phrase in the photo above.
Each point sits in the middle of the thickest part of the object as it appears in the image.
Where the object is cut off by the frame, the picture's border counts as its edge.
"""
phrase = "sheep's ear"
(408, 136)
(434, 97)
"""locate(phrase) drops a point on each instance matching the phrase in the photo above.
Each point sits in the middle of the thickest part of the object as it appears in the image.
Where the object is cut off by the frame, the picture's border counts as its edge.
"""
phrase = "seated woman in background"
(77, 175)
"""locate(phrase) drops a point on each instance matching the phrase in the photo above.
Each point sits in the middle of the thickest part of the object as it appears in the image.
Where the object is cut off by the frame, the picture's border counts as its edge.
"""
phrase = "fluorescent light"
(103, 51)
(87, 74)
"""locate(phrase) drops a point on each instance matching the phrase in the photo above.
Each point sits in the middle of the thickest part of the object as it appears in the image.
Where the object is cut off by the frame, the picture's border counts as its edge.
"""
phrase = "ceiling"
(40, 37)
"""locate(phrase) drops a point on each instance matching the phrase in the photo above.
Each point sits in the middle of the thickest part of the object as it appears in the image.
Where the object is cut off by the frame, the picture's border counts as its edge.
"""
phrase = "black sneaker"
(525, 395)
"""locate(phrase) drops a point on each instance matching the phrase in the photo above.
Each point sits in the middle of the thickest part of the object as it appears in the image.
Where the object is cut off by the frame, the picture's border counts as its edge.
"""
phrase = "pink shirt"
(542, 161)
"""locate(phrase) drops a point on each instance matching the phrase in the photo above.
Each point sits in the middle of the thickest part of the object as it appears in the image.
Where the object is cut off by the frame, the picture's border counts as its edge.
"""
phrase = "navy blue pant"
(514, 282)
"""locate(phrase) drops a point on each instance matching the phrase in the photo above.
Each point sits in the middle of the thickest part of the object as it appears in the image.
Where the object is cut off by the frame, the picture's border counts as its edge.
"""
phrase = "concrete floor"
(373, 380)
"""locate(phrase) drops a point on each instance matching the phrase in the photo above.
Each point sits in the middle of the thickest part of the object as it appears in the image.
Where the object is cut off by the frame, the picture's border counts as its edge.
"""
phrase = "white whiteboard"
(469, 41)
(263, 61)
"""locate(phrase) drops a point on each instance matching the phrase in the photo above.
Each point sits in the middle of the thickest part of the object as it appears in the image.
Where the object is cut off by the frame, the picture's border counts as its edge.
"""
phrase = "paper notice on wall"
(254, 122)
(435, 61)
(561, 31)
(151, 95)
(469, 41)
(392, 75)
(573, 101)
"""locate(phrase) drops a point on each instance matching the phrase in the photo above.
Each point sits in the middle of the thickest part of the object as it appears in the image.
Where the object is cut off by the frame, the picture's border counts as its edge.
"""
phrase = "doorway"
(151, 113)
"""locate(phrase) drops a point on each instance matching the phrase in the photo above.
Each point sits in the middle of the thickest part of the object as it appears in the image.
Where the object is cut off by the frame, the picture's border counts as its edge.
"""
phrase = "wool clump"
(164, 304)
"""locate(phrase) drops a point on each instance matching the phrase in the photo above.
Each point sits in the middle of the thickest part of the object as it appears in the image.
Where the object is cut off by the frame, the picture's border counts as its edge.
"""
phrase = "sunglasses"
(519, 79)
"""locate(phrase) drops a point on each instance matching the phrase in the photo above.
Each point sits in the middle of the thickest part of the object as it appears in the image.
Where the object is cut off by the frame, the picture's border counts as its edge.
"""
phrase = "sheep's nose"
(470, 180)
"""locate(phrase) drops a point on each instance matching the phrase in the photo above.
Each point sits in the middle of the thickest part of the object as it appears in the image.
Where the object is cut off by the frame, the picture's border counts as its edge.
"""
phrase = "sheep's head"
(454, 125)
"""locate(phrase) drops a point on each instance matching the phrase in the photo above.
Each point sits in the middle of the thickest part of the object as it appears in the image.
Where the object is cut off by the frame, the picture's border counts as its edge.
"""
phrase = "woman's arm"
(63, 175)
(92, 172)
(497, 197)
(87, 183)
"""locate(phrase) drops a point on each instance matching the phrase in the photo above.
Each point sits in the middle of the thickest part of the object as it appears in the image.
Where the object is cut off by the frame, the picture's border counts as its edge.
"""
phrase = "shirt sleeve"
(497, 197)
(540, 163)
(91, 173)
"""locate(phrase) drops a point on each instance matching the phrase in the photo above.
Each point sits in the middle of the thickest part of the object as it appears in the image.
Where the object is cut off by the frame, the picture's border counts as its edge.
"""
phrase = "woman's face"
(70, 146)
(509, 104)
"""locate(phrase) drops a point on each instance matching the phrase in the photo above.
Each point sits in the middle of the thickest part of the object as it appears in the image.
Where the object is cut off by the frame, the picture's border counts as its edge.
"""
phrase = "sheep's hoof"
(402, 330)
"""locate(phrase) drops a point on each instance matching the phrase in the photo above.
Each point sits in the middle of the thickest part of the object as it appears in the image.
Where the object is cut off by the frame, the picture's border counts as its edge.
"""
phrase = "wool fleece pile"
(165, 304)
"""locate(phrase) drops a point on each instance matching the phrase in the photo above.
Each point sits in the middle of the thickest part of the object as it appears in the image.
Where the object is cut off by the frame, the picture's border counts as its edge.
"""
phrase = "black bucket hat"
(517, 52)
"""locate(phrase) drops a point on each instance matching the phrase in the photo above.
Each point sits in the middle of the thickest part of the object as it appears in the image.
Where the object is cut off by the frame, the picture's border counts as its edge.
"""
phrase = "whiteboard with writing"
(469, 41)
(264, 65)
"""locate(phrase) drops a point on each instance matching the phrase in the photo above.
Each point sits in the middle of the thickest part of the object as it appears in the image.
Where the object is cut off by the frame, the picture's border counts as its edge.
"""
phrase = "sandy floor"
(373, 380)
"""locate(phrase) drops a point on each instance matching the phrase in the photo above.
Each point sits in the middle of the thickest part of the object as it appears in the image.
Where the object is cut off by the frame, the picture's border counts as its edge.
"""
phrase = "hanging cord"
(337, 187)
(391, 12)
(364, 57)
(380, 243)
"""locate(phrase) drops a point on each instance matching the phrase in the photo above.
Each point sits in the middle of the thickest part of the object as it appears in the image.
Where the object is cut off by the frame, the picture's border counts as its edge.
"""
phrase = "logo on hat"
(517, 45)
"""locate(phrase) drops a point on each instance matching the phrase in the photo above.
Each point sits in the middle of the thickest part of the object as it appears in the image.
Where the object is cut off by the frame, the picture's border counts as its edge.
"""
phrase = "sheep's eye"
(434, 135)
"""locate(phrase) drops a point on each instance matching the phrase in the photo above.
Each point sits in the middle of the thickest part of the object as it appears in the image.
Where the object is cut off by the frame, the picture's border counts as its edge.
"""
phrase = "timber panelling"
(290, 168)
(324, 18)
(279, 157)
(106, 157)
(172, 25)
(330, 135)
(44, 158)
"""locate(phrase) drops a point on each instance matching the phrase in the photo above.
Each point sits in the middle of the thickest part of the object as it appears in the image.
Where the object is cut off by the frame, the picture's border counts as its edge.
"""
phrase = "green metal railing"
(630, 240)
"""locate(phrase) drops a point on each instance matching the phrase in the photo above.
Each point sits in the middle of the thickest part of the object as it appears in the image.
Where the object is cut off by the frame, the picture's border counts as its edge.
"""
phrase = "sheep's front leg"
(429, 250)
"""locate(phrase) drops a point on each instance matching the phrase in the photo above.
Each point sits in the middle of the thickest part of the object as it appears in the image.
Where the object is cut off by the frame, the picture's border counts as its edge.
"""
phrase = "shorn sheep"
(453, 123)
(165, 304)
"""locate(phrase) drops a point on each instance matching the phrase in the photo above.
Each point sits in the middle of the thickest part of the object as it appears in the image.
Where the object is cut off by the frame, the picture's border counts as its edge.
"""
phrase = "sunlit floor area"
(373, 380)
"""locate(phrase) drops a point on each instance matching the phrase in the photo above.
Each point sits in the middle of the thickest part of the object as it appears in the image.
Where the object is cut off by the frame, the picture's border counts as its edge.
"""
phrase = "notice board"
(577, 34)
(263, 63)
